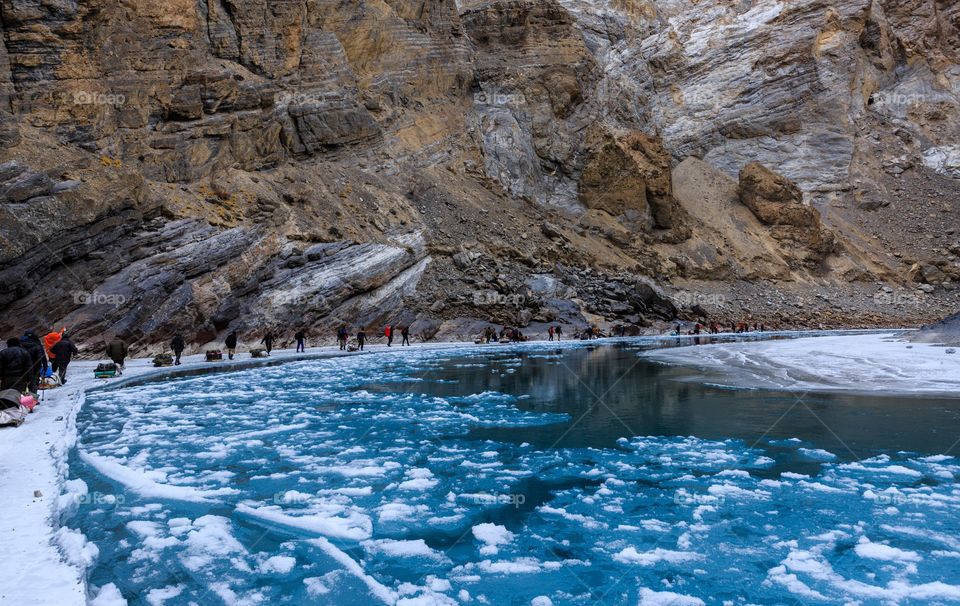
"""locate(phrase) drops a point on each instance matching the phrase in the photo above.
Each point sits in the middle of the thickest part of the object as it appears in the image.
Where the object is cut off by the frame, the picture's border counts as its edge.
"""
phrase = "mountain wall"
(199, 166)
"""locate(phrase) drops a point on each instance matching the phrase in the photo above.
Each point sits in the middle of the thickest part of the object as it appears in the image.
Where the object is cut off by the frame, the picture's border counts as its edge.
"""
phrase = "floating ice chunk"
(630, 555)
(816, 454)
(330, 520)
(649, 597)
(404, 549)
(108, 595)
(159, 597)
(210, 540)
(541, 600)
(316, 586)
(878, 551)
(279, 564)
(492, 536)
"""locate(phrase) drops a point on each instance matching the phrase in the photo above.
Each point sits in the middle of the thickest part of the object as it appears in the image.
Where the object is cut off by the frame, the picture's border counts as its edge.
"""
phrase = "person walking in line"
(49, 340)
(388, 333)
(117, 351)
(177, 345)
(231, 343)
(405, 334)
(267, 342)
(301, 338)
(16, 364)
(63, 351)
(550, 332)
(361, 338)
(342, 335)
(559, 331)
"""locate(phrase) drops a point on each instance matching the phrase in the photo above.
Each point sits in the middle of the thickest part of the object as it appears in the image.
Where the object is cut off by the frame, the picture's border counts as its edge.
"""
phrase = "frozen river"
(530, 475)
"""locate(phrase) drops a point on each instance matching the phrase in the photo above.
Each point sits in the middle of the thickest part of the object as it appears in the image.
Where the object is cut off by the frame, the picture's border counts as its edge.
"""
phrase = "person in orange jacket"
(51, 339)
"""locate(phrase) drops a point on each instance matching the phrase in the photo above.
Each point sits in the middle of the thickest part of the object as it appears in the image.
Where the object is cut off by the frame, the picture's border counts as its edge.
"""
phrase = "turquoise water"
(536, 474)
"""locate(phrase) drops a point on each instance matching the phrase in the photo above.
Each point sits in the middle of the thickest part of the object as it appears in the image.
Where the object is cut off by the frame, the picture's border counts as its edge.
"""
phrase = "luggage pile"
(14, 407)
(258, 353)
(163, 359)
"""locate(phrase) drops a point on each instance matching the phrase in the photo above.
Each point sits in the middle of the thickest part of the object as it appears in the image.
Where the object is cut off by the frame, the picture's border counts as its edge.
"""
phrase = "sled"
(214, 355)
(258, 353)
(51, 381)
(106, 370)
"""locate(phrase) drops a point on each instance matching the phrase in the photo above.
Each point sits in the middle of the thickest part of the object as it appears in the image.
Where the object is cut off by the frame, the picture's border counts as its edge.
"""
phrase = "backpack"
(106, 370)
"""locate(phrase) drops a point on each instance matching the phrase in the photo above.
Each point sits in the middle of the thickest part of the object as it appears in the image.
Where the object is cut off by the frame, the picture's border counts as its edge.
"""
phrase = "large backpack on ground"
(106, 370)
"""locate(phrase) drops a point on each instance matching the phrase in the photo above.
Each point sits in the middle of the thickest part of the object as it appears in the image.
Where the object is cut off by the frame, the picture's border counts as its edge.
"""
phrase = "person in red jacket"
(388, 333)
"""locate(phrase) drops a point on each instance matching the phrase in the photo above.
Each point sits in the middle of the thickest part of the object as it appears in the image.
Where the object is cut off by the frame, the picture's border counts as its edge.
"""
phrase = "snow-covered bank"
(867, 363)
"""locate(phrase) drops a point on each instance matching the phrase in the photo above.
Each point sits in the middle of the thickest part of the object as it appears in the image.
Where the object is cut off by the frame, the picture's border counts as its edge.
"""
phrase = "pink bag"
(28, 402)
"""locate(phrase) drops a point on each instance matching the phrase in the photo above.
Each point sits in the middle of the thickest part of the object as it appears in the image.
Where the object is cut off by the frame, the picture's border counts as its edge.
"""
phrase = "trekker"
(30, 342)
(177, 345)
(49, 340)
(405, 333)
(15, 366)
(361, 338)
(550, 332)
(117, 351)
(231, 343)
(301, 337)
(388, 333)
(267, 342)
(342, 335)
(63, 351)
(559, 331)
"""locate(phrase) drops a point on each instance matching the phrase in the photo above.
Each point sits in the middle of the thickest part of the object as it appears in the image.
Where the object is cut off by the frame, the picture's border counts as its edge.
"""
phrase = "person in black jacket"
(63, 352)
(301, 341)
(405, 333)
(231, 343)
(178, 345)
(31, 342)
(15, 366)
(267, 342)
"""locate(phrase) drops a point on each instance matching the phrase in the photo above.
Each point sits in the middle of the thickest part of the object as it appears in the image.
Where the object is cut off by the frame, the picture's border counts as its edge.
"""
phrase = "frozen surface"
(384, 480)
(878, 363)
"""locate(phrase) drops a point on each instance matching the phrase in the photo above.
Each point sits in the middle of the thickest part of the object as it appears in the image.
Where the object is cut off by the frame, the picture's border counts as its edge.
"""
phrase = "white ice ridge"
(144, 485)
(874, 363)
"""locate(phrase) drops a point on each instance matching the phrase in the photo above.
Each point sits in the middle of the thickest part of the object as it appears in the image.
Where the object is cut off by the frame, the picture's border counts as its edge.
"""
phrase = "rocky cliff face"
(196, 166)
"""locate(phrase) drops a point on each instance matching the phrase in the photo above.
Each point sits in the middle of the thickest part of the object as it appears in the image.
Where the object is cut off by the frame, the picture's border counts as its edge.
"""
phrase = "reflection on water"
(609, 392)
